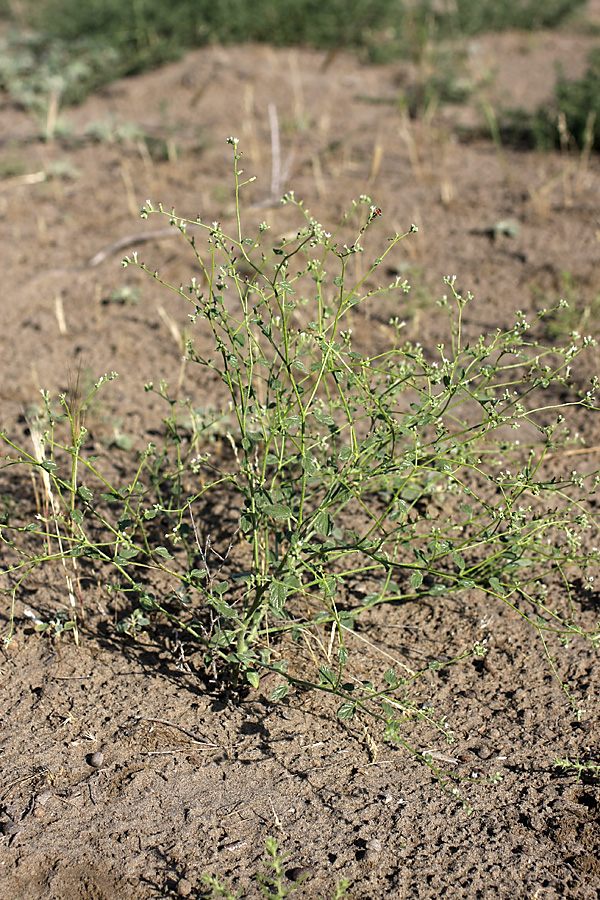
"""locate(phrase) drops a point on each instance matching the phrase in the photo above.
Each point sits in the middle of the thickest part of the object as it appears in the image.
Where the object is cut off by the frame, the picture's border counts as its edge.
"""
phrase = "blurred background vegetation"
(146, 32)
(70, 48)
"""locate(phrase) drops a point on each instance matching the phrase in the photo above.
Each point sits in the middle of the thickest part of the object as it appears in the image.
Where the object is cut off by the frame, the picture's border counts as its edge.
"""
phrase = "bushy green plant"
(476, 16)
(143, 33)
(579, 102)
(67, 49)
(148, 31)
(33, 67)
(572, 119)
(413, 473)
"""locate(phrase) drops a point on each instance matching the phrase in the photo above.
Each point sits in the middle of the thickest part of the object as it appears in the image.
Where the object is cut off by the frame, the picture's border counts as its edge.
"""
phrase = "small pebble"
(43, 798)
(95, 760)
(234, 845)
(373, 851)
(184, 888)
(374, 845)
(300, 872)
(483, 752)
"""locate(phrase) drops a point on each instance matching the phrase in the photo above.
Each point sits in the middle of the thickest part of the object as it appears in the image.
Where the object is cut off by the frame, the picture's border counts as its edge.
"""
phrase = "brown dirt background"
(169, 804)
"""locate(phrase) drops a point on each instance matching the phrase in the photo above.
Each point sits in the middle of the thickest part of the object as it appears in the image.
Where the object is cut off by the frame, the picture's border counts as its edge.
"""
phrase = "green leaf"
(323, 417)
(326, 676)
(253, 679)
(292, 581)
(416, 579)
(279, 692)
(277, 511)
(112, 497)
(246, 524)
(390, 677)
(496, 585)
(227, 612)
(391, 732)
(323, 523)
(329, 586)
(85, 493)
(278, 593)
(309, 465)
(163, 552)
(286, 287)
(220, 588)
(387, 708)
(128, 552)
(147, 601)
(346, 710)
(467, 583)
(77, 516)
(458, 560)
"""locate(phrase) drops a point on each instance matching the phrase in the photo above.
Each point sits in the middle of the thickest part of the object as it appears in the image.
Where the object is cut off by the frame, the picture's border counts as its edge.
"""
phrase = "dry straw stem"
(49, 504)
(320, 183)
(378, 155)
(59, 310)
(19, 180)
(279, 170)
(407, 134)
(132, 205)
(171, 324)
(584, 156)
(142, 147)
(52, 114)
(572, 175)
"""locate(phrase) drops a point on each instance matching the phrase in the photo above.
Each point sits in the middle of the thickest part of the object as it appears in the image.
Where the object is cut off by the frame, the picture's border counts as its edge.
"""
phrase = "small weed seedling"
(580, 769)
(272, 885)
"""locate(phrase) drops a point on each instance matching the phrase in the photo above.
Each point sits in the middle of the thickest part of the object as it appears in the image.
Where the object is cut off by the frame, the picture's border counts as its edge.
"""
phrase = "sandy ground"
(192, 779)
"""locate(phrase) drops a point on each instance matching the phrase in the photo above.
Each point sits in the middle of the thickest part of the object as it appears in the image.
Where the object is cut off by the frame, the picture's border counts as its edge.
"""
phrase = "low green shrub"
(571, 121)
(81, 45)
(475, 16)
(341, 479)
(579, 102)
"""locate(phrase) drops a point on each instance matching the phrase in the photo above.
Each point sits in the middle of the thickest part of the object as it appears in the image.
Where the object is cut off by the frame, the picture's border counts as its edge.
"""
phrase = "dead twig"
(191, 735)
